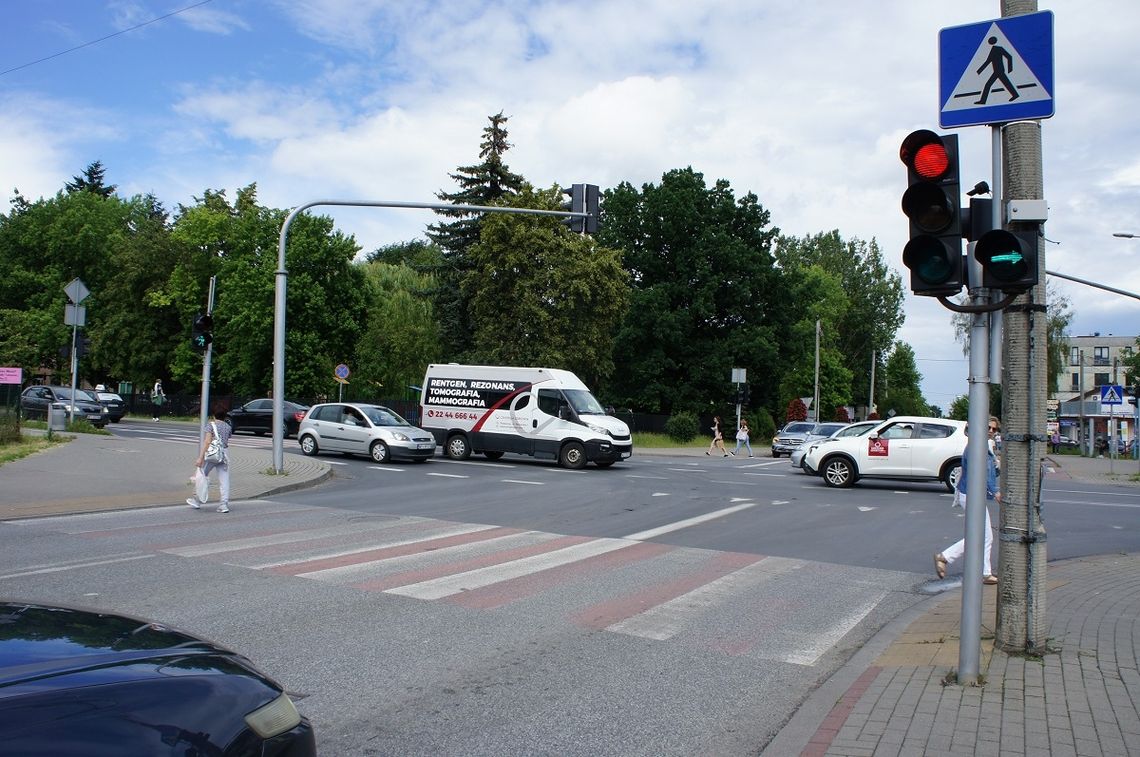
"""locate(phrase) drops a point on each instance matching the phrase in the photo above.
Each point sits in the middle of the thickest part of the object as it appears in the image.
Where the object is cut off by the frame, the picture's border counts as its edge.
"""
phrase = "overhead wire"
(104, 39)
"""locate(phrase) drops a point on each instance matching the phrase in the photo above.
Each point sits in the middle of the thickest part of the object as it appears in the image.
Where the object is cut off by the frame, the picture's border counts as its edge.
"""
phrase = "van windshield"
(583, 402)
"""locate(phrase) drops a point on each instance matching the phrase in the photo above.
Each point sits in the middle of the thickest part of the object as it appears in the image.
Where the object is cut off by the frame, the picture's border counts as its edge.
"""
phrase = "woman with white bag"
(215, 454)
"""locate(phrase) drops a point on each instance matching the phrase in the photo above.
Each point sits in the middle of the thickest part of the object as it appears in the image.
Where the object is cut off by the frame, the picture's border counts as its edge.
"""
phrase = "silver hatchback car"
(360, 429)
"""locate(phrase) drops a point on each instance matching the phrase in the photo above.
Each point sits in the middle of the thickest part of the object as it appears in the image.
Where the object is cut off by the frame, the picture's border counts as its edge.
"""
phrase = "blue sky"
(804, 104)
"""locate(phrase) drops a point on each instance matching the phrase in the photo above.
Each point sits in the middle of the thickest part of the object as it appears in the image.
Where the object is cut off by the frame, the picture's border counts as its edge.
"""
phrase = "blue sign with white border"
(996, 71)
(1112, 394)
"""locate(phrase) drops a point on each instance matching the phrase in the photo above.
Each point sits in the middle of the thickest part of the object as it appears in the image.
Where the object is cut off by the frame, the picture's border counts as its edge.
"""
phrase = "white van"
(544, 412)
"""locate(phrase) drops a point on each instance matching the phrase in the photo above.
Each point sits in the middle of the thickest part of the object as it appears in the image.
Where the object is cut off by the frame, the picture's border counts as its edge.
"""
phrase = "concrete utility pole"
(1021, 623)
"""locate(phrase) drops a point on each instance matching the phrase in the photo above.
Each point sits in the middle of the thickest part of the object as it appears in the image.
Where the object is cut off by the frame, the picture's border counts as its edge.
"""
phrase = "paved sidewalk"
(92, 473)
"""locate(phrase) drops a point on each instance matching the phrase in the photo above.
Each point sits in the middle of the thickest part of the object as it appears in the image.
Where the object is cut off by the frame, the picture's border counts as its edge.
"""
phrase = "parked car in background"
(359, 429)
(84, 682)
(909, 448)
(35, 401)
(837, 431)
(256, 416)
(791, 436)
(116, 407)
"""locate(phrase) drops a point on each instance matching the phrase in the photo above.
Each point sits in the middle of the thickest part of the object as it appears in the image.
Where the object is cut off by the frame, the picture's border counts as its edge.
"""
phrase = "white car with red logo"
(908, 448)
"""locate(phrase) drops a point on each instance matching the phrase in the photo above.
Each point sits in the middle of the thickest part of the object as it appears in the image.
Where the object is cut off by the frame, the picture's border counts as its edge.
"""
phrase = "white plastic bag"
(201, 485)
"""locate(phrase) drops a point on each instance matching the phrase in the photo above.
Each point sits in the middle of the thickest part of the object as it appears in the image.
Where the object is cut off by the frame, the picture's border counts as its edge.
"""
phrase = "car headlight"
(400, 437)
(598, 429)
(274, 718)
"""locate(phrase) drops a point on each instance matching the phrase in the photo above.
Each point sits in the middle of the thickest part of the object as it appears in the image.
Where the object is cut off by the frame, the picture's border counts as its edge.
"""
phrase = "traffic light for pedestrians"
(577, 204)
(932, 202)
(202, 335)
(1008, 259)
(82, 346)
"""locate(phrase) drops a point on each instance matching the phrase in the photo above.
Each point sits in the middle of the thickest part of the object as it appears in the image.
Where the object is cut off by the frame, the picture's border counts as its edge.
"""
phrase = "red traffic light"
(925, 153)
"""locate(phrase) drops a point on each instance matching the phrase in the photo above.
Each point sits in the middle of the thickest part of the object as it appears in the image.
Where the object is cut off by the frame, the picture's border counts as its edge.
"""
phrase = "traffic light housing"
(202, 336)
(932, 202)
(82, 346)
(593, 206)
(577, 204)
(1008, 259)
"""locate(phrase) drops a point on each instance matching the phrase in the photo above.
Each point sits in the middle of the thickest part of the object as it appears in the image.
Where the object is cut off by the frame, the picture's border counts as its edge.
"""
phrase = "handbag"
(741, 435)
(215, 452)
(201, 485)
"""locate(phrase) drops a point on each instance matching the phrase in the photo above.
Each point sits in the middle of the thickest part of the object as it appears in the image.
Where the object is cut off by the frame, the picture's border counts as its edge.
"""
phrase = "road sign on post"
(996, 71)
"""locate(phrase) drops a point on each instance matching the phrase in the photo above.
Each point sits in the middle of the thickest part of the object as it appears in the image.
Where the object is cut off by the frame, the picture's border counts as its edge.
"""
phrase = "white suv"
(910, 448)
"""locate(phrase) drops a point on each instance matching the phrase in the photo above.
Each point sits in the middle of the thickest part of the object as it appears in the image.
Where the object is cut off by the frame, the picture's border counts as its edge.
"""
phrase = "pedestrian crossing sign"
(1112, 394)
(996, 71)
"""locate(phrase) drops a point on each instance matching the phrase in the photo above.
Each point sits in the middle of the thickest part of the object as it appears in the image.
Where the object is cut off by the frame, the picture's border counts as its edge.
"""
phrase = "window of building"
(1075, 356)
(1076, 387)
(1100, 379)
(1100, 356)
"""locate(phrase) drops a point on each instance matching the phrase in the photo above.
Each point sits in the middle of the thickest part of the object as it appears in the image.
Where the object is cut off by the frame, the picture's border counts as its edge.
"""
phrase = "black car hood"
(38, 642)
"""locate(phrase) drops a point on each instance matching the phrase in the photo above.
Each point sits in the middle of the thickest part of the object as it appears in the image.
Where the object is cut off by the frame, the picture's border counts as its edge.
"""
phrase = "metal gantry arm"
(281, 276)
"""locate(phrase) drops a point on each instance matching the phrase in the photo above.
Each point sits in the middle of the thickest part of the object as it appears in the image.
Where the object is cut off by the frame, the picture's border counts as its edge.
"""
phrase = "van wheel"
(573, 456)
(457, 447)
(308, 445)
(492, 455)
(379, 451)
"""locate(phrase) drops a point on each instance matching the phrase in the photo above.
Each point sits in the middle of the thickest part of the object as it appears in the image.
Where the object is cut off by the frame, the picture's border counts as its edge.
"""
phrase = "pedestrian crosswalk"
(733, 603)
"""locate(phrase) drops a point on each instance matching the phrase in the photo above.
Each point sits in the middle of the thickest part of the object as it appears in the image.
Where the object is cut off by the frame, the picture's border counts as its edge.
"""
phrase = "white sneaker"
(223, 508)
(193, 503)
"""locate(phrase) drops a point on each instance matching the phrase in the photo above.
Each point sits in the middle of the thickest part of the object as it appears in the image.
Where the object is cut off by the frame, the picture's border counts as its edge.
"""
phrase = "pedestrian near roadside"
(955, 551)
(742, 438)
(220, 430)
(718, 437)
(157, 398)
(1055, 439)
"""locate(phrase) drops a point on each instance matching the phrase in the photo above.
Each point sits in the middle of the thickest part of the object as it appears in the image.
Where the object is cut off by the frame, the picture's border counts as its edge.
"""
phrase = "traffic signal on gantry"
(1008, 259)
(932, 202)
(202, 335)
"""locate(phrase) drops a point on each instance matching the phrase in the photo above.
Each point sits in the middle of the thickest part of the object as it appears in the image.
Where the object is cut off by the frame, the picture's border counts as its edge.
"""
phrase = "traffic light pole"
(204, 410)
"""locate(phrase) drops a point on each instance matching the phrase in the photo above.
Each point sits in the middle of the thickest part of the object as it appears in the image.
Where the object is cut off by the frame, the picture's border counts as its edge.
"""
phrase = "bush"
(681, 427)
(763, 427)
(9, 427)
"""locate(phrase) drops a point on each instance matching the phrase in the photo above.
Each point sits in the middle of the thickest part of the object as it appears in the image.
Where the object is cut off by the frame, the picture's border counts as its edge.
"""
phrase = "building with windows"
(1094, 361)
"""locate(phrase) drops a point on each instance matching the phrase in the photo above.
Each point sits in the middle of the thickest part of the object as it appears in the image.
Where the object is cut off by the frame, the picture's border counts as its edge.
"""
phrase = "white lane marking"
(1092, 493)
(75, 566)
(865, 509)
(474, 579)
(660, 494)
(818, 642)
(777, 475)
(448, 475)
(665, 620)
(387, 468)
(669, 528)
(334, 462)
(659, 478)
(1090, 504)
(448, 461)
(780, 501)
(688, 470)
(520, 481)
(270, 540)
(449, 532)
(762, 465)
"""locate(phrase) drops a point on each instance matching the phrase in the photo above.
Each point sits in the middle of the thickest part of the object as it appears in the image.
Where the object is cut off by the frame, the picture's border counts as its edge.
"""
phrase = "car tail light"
(299, 416)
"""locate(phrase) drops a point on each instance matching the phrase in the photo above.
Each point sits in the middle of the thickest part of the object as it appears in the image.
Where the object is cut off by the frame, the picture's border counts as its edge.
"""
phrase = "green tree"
(489, 182)
(902, 391)
(874, 293)
(92, 180)
(400, 335)
(706, 297)
(541, 295)
(43, 246)
(326, 295)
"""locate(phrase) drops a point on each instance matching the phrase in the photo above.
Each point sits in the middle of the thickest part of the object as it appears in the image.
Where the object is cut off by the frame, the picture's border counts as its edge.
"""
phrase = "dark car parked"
(256, 416)
(37, 400)
(82, 682)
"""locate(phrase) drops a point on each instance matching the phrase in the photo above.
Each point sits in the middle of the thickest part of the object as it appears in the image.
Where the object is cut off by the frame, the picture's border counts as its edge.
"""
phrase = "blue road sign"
(996, 71)
(1111, 394)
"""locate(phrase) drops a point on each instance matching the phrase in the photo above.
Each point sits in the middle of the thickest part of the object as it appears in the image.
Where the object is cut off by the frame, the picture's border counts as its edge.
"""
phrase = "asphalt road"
(662, 606)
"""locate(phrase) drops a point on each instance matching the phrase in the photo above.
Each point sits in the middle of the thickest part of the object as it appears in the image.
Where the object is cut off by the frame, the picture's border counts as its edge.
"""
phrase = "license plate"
(425, 446)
